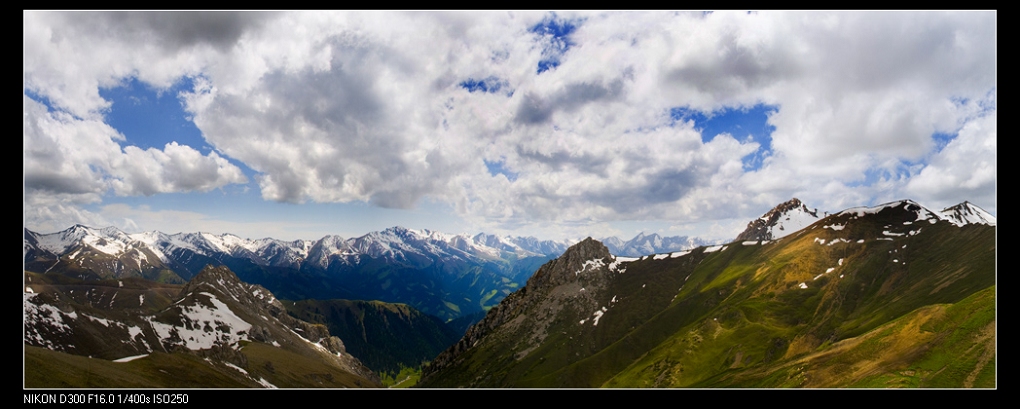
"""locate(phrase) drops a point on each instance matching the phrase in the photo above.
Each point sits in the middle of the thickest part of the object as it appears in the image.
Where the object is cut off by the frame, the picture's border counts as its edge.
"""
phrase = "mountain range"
(885, 296)
(445, 275)
(139, 254)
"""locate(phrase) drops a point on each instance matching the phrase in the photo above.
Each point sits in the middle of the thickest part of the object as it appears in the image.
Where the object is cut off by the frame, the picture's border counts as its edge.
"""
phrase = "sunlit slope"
(942, 345)
(737, 315)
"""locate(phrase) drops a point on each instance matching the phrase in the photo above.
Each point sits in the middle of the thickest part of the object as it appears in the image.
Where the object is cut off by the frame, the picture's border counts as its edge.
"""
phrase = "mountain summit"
(782, 220)
(967, 213)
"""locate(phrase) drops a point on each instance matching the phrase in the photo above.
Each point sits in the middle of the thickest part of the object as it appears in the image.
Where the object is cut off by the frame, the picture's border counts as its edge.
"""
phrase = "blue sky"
(557, 125)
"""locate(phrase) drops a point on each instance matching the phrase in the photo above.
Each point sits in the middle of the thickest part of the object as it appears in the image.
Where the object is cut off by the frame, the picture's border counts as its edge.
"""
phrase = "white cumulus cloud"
(81, 159)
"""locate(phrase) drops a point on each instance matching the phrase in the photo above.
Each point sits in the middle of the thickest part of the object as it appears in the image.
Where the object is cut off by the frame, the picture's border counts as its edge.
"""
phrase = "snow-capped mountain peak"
(779, 222)
(967, 213)
(108, 240)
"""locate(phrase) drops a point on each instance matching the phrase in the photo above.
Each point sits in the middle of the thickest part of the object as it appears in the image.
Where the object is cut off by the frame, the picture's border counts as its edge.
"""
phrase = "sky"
(558, 125)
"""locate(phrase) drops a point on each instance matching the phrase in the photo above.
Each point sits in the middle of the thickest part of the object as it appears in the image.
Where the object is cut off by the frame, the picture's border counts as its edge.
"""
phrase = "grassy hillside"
(878, 301)
(50, 369)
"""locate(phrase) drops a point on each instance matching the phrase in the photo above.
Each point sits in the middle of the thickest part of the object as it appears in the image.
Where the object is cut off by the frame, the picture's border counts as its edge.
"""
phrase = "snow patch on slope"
(209, 326)
(590, 265)
(51, 316)
(792, 222)
(131, 358)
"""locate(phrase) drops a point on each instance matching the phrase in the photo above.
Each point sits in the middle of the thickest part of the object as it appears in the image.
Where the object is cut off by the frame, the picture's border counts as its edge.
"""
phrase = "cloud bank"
(391, 108)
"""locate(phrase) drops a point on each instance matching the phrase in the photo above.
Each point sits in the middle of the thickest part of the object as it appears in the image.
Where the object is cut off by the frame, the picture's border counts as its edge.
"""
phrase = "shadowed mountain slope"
(238, 334)
(384, 336)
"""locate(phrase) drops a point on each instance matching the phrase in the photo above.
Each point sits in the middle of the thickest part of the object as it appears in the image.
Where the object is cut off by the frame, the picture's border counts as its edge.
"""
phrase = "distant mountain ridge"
(645, 244)
(395, 242)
